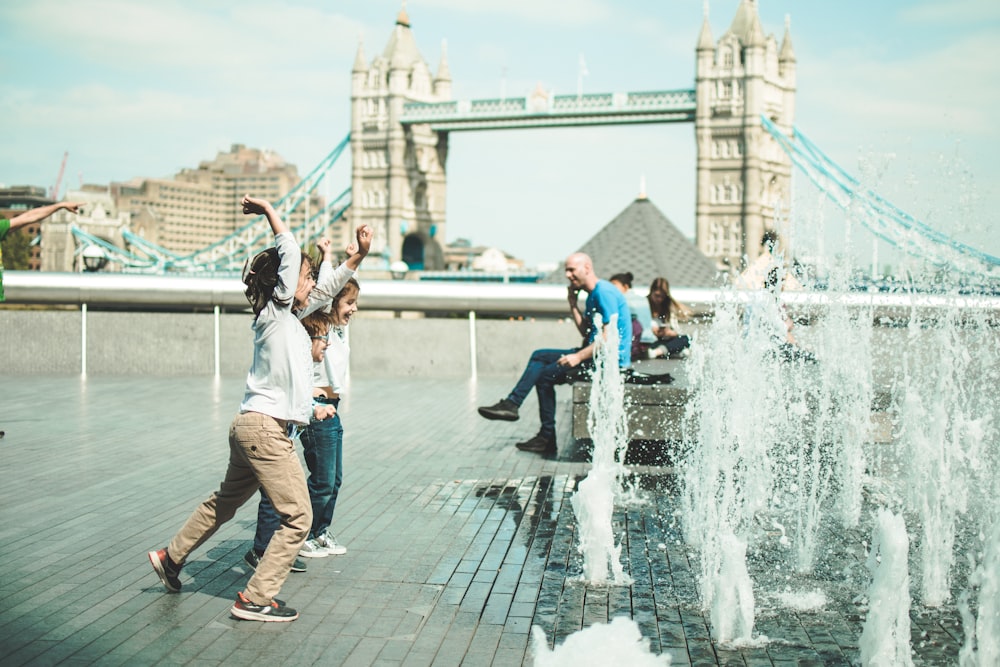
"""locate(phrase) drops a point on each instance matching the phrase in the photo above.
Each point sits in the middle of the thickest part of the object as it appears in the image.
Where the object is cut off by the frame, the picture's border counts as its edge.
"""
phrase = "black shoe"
(504, 410)
(539, 443)
(252, 559)
(166, 569)
(275, 612)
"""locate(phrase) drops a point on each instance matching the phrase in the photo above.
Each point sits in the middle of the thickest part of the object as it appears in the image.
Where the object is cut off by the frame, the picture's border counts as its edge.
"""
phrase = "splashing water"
(732, 600)
(885, 639)
(617, 643)
(982, 632)
(593, 502)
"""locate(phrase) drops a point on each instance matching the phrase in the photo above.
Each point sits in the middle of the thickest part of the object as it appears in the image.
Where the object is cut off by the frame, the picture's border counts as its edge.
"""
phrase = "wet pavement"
(457, 542)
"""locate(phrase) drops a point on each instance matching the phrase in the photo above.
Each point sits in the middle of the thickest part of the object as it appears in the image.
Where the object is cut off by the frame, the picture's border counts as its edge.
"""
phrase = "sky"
(903, 93)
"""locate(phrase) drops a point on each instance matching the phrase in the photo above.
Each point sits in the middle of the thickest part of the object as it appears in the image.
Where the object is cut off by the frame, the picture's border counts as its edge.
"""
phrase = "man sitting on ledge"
(547, 368)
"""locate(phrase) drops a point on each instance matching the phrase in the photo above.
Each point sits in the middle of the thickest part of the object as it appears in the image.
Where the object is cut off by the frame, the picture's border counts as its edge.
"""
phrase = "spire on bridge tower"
(705, 41)
(787, 54)
(444, 73)
(403, 18)
(442, 82)
(746, 20)
(360, 64)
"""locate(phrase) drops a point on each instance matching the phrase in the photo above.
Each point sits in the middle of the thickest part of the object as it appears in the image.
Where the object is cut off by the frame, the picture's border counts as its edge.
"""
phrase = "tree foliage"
(16, 250)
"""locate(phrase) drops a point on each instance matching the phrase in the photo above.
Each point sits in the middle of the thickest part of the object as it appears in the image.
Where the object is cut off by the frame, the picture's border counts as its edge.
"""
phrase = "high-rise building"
(198, 207)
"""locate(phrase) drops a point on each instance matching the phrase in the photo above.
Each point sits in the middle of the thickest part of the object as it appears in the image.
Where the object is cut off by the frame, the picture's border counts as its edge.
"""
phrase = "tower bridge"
(402, 115)
(742, 107)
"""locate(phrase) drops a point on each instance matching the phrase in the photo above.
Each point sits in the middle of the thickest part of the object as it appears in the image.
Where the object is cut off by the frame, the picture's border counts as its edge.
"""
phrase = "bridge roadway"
(458, 543)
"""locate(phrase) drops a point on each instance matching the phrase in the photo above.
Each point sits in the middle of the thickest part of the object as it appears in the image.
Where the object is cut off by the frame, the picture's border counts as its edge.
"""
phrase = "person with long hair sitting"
(665, 311)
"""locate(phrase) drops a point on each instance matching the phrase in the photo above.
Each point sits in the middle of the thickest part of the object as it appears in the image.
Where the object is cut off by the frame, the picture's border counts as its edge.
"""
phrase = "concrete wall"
(49, 342)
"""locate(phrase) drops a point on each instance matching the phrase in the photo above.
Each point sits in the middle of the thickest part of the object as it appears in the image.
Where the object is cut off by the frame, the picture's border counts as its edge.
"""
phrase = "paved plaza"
(458, 543)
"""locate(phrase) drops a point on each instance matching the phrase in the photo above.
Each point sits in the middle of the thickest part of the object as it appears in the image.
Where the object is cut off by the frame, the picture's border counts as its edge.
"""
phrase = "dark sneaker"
(504, 410)
(274, 612)
(539, 443)
(166, 569)
(252, 559)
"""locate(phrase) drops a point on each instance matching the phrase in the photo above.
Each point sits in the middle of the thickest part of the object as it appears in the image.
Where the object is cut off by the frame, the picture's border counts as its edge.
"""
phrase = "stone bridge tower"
(398, 172)
(744, 178)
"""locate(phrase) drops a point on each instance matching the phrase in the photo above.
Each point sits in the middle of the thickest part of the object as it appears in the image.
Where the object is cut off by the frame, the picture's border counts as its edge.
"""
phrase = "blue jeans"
(542, 373)
(322, 442)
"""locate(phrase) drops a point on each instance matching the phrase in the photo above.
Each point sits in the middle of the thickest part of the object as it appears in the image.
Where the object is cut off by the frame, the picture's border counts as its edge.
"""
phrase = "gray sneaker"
(252, 559)
(504, 410)
(313, 549)
(329, 542)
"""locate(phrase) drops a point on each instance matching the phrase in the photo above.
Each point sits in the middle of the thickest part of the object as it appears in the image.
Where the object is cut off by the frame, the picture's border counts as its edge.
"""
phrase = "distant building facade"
(198, 207)
(97, 217)
(397, 178)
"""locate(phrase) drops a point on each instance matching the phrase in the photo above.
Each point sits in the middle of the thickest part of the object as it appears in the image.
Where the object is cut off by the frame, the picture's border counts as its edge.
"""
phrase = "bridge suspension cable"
(885, 220)
(229, 253)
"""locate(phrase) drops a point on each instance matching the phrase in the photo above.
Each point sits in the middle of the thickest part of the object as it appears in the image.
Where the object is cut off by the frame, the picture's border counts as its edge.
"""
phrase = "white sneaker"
(313, 549)
(328, 542)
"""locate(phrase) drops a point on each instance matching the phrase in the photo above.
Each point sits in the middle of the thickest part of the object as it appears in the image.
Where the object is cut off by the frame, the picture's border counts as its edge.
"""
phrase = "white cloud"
(970, 12)
(129, 35)
(954, 86)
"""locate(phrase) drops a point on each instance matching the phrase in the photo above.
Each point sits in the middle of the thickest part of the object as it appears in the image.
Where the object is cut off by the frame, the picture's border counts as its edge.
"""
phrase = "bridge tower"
(398, 172)
(743, 177)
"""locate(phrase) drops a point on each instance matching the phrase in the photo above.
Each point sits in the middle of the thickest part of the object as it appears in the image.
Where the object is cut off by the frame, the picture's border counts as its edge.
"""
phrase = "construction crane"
(54, 190)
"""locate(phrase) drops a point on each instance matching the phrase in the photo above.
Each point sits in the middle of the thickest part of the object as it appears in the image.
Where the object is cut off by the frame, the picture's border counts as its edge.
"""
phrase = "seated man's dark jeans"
(543, 373)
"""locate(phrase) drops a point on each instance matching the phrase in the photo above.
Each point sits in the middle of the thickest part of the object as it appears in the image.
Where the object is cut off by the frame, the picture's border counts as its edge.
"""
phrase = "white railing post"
(218, 345)
(472, 344)
(83, 340)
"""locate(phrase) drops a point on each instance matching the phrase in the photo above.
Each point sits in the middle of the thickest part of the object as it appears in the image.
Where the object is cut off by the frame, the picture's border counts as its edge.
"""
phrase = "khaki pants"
(260, 456)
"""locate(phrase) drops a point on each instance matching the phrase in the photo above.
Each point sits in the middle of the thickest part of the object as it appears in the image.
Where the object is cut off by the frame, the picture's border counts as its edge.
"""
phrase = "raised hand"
(364, 235)
(254, 206)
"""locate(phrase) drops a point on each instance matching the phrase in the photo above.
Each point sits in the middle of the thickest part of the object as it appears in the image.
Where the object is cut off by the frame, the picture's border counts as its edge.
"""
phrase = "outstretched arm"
(254, 206)
(364, 243)
(42, 212)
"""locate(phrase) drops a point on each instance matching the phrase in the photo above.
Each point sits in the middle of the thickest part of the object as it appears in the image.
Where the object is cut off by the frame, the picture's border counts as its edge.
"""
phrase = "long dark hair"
(260, 275)
(661, 310)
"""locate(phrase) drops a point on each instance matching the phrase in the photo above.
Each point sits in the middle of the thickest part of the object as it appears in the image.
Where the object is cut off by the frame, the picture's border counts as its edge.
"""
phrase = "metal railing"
(185, 292)
(661, 106)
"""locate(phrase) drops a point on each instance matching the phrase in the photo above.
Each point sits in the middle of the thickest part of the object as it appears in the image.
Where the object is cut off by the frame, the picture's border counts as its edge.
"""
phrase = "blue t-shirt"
(608, 300)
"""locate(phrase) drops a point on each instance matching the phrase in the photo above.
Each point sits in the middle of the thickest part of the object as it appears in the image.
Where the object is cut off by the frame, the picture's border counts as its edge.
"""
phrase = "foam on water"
(803, 600)
(600, 645)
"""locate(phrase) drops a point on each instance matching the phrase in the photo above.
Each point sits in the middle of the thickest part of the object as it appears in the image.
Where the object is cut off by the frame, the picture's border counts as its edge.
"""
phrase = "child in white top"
(261, 455)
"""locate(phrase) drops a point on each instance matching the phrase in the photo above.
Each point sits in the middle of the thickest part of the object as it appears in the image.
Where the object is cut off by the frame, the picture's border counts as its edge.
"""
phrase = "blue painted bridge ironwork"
(544, 110)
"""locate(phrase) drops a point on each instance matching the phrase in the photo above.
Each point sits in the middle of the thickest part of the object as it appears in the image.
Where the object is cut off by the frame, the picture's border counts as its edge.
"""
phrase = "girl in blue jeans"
(329, 370)
(322, 441)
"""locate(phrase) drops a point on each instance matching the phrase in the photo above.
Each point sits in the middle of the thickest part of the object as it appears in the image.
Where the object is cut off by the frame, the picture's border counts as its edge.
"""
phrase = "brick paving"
(457, 542)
